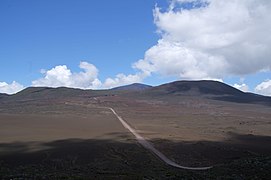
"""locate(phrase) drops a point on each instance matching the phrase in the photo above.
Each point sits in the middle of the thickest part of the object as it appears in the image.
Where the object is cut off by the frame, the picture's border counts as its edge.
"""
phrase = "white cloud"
(174, 59)
(243, 87)
(264, 88)
(62, 76)
(12, 88)
(211, 40)
(87, 79)
(122, 79)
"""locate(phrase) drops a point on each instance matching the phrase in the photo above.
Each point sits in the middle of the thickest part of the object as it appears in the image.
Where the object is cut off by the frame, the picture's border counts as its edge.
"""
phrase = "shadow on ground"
(239, 157)
(210, 153)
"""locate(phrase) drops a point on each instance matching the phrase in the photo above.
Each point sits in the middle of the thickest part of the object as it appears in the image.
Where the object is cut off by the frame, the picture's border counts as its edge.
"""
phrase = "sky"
(102, 44)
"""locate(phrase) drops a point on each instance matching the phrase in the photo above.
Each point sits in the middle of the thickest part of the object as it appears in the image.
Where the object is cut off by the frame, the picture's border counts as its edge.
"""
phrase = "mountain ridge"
(3, 95)
(198, 87)
(209, 89)
(133, 87)
(202, 89)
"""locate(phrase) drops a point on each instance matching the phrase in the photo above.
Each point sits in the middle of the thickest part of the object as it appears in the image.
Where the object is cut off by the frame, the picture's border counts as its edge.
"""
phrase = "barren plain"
(51, 135)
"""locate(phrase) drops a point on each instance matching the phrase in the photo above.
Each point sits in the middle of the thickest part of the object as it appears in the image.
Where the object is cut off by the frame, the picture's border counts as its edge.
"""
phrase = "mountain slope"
(2, 95)
(175, 90)
(44, 93)
(133, 87)
(197, 88)
(208, 89)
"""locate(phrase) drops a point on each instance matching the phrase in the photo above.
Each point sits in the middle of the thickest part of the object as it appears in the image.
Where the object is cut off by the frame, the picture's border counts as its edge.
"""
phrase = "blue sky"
(42, 34)
(143, 40)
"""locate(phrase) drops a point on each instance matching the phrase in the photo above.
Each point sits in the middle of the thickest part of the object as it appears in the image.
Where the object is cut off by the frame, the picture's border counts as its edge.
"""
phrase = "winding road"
(151, 148)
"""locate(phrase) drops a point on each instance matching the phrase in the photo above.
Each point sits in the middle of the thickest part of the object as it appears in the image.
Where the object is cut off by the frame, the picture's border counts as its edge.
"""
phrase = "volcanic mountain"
(202, 89)
(197, 88)
(208, 89)
(133, 87)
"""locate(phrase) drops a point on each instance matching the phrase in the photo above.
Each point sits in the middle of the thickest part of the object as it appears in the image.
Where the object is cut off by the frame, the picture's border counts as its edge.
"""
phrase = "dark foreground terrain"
(107, 159)
(63, 133)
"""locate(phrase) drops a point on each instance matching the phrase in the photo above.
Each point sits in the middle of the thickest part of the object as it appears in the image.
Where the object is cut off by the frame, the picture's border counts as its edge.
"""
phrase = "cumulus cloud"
(210, 39)
(264, 88)
(12, 88)
(122, 79)
(62, 76)
(243, 87)
(174, 59)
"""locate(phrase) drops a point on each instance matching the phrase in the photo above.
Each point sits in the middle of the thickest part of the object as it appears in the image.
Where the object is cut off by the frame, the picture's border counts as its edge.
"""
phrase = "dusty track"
(151, 148)
(146, 144)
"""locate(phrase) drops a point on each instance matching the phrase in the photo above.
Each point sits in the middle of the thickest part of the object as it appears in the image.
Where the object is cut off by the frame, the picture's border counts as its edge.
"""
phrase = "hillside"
(197, 88)
(133, 87)
(178, 89)
(208, 89)
(2, 95)
(39, 93)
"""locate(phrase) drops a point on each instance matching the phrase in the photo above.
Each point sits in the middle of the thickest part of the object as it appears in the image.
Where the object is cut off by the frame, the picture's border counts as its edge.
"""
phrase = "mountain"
(43, 93)
(203, 87)
(175, 90)
(133, 87)
(208, 89)
(46, 93)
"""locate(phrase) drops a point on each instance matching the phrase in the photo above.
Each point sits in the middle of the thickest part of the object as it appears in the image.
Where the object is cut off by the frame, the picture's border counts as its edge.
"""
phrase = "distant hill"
(43, 93)
(203, 87)
(174, 90)
(38, 93)
(133, 87)
(208, 89)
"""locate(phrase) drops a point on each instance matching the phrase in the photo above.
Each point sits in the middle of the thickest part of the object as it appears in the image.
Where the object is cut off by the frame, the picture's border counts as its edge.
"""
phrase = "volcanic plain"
(61, 133)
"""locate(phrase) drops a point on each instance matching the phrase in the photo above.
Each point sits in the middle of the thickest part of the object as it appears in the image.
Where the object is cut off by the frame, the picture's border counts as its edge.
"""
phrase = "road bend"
(151, 148)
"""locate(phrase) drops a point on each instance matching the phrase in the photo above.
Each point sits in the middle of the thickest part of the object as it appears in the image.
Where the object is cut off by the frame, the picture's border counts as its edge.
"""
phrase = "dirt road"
(151, 148)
